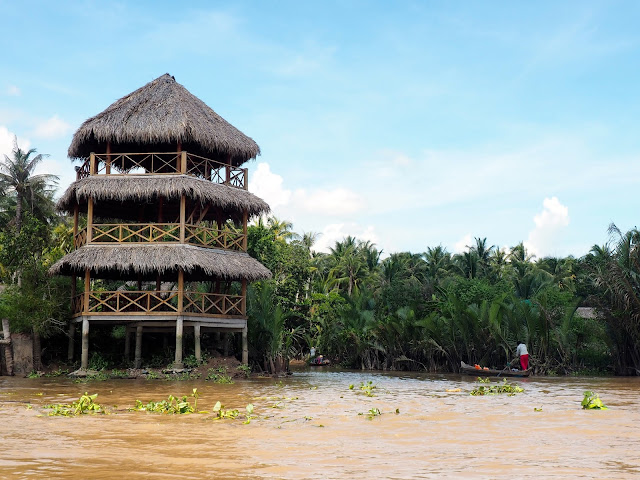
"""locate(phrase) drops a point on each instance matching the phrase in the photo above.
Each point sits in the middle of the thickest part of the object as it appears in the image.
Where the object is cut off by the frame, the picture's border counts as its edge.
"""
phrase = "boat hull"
(470, 370)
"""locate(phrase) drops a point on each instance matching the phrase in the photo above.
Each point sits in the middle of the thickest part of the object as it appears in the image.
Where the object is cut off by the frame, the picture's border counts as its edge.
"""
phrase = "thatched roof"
(154, 118)
(118, 261)
(115, 195)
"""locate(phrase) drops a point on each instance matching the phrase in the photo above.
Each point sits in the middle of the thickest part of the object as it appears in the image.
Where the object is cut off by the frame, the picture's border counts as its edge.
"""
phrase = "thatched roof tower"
(165, 200)
(163, 113)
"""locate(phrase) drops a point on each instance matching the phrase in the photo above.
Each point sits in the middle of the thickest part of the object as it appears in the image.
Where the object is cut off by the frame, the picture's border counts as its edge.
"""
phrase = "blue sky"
(411, 124)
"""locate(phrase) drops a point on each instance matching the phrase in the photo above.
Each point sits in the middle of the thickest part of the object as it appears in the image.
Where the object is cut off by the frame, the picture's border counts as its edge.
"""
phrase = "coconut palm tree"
(32, 191)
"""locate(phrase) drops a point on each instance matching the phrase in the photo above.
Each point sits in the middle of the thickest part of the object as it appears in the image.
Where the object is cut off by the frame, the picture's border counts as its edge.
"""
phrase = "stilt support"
(245, 346)
(137, 363)
(127, 344)
(196, 335)
(177, 364)
(84, 359)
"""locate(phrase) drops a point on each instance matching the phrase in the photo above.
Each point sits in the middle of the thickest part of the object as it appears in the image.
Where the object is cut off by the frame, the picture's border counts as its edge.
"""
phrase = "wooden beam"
(87, 290)
(180, 291)
(245, 219)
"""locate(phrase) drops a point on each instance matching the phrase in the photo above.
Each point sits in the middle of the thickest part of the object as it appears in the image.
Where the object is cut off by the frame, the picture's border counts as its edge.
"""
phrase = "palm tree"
(33, 191)
(281, 229)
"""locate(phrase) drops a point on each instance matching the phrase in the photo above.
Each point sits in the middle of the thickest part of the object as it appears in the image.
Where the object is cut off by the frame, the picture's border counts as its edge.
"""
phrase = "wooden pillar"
(183, 217)
(84, 359)
(246, 178)
(196, 336)
(137, 363)
(183, 162)
(87, 292)
(108, 166)
(92, 164)
(70, 346)
(177, 364)
(245, 220)
(89, 220)
(127, 344)
(179, 157)
(180, 291)
(244, 297)
(245, 346)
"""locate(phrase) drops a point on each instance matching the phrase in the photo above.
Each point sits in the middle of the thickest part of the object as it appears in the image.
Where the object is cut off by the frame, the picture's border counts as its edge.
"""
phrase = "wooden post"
(183, 162)
(177, 364)
(246, 178)
(196, 335)
(92, 164)
(179, 157)
(127, 343)
(70, 346)
(244, 297)
(245, 346)
(245, 219)
(183, 217)
(84, 359)
(137, 363)
(89, 220)
(87, 291)
(180, 290)
(107, 169)
(75, 225)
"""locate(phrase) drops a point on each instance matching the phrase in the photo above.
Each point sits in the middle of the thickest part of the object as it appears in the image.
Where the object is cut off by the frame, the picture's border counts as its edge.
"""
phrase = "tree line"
(405, 311)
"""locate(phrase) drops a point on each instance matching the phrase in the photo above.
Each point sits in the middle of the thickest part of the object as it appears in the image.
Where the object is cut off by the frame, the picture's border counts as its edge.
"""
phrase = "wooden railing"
(158, 303)
(162, 233)
(163, 163)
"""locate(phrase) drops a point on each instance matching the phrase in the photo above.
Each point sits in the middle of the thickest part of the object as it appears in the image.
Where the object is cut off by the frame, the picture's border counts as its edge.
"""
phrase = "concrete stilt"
(177, 364)
(137, 363)
(84, 359)
(70, 347)
(196, 335)
(245, 346)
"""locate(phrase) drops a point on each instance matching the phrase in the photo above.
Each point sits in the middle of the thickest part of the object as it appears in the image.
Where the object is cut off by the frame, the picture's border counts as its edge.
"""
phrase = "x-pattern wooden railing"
(200, 235)
(212, 303)
(214, 238)
(135, 232)
(164, 163)
(160, 303)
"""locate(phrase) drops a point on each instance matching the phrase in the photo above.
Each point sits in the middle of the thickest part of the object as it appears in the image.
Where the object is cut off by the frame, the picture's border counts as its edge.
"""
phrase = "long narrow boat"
(507, 372)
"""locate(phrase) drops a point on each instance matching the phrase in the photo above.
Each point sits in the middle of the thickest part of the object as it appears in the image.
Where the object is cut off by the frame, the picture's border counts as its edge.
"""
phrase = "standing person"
(523, 354)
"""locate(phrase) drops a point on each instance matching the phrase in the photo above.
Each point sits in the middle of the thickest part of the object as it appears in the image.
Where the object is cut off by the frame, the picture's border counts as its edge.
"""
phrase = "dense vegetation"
(406, 311)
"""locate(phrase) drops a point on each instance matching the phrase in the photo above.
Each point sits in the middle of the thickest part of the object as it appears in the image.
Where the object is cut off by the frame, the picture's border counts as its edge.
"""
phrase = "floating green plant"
(171, 406)
(592, 401)
(84, 405)
(486, 388)
(373, 412)
(366, 388)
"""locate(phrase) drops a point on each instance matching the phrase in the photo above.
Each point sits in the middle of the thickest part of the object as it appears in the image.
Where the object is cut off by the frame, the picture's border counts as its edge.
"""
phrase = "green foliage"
(98, 362)
(486, 388)
(245, 369)
(372, 413)
(219, 375)
(171, 406)
(591, 401)
(86, 404)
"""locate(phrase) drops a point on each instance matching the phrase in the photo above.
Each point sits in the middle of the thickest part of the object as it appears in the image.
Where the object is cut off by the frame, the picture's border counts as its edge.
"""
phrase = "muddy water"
(309, 426)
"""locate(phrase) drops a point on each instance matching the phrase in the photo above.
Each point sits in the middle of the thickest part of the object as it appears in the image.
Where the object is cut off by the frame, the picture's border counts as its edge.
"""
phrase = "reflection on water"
(308, 427)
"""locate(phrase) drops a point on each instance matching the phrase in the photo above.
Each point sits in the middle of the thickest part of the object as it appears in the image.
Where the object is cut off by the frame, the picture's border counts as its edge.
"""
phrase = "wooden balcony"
(140, 303)
(199, 235)
(171, 163)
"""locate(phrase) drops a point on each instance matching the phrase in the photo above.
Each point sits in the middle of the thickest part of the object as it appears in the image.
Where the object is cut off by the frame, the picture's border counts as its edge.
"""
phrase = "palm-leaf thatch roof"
(147, 261)
(127, 190)
(154, 118)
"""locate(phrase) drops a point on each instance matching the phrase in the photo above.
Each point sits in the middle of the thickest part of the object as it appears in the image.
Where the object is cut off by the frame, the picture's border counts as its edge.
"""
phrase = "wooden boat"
(324, 363)
(507, 372)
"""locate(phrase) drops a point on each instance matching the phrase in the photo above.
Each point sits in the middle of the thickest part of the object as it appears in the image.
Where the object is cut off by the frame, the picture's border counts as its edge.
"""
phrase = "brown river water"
(307, 426)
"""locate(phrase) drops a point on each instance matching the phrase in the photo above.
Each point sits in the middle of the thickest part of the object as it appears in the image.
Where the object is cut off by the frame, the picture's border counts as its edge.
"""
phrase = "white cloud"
(549, 227)
(268, 186)
(52, 128)
(463, 244)
(339, 201)
(7, 140)
(13, 91)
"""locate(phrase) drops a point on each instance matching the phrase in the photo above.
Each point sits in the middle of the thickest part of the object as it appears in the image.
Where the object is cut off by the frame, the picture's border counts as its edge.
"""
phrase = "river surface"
(308, 426)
